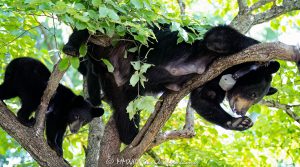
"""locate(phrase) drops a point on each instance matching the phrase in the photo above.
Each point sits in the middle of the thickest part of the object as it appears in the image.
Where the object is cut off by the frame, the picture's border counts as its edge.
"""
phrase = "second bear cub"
(27, 79)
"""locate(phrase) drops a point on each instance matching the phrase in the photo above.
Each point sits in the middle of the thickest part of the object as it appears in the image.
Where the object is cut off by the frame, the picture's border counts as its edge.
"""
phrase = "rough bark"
(34, 144)
(110, 145)
(96, 129)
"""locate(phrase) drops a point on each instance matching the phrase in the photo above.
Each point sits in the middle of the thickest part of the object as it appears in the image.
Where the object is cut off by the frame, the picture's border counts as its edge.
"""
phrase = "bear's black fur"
(174, 64)
(27, 79)
(248, 90)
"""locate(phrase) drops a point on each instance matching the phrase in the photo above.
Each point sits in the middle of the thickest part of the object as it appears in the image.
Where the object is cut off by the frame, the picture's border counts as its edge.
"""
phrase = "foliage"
(36, 28)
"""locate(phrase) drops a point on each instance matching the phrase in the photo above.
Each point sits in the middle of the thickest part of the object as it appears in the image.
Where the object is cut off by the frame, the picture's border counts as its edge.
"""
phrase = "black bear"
(248, 90)
(27, 79)
(174, 64)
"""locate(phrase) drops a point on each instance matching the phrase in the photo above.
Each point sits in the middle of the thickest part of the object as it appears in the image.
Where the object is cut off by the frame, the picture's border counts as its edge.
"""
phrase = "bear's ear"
(272, 67)
(271, 91)
(97, 112)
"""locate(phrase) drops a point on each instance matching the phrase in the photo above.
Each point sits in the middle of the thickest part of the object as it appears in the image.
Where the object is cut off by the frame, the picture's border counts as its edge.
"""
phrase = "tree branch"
(110, 145)
(33, 144)
(260, 4)
(285, 107)
(96, 129)
(242, 5)
(186, 132)
(276, 11)
(157, 159)
(95, 135)
(182, 7)
(167, 102)
(245, 19)
(53, 83)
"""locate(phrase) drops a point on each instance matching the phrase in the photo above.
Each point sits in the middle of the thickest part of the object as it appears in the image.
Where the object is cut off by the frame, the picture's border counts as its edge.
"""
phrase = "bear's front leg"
(240, 124)
(210, 109)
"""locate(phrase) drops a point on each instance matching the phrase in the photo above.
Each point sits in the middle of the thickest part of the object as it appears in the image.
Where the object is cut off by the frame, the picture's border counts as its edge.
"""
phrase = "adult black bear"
(27, 79)
(174, 64)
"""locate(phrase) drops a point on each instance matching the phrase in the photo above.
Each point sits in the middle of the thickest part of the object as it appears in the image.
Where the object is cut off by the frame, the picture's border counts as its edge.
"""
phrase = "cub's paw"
(240, 124)
(71, 50)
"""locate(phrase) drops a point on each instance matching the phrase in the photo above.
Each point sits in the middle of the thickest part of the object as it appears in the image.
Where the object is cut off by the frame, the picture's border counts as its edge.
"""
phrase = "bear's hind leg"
(54, 138)
(24, 114)
(6, 92)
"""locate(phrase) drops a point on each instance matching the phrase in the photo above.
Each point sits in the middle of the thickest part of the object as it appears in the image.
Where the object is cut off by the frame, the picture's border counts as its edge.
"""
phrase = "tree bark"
(34, 144)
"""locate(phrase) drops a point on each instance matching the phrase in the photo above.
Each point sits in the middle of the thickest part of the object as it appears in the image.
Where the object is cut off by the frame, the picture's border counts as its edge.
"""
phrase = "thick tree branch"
(95, 135)
(285, 107)
(110, 145)
(96, 129)
(33, 144)
(53, 82)
(166, 105)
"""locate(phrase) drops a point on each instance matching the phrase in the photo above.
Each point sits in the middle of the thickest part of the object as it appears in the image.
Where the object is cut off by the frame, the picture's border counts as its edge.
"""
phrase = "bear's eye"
(253, 95)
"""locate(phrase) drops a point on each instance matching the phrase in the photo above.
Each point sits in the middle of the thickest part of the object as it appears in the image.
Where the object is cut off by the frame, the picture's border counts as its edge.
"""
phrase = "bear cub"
(27, 79)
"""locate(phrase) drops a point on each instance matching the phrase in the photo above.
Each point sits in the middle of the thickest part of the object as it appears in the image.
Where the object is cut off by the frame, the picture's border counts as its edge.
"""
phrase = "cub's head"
(251, 88)
(80, 113)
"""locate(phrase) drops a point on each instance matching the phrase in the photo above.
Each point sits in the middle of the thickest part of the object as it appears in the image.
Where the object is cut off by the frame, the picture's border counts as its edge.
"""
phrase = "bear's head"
(80, 113)
(251, 88)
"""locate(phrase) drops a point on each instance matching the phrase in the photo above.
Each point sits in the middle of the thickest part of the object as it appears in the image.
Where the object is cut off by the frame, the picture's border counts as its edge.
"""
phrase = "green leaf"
(134, 79)
(113, 15)
(83, 50)
(103, 11)
(132, 50)
(131, 109)
(145, 67)
(109, 66)
(82, 18)
(175, 26)
(64, 64)
(137, 4)
(136, 65)
(75, 62)
(96, 3)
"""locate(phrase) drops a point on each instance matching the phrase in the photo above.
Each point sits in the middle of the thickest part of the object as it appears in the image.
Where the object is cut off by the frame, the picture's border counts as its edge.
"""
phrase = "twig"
(156, 158)
(24, 32)
(260, 4)
(285, 107)
(182, 7)
(186, 132)
(276, 11)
